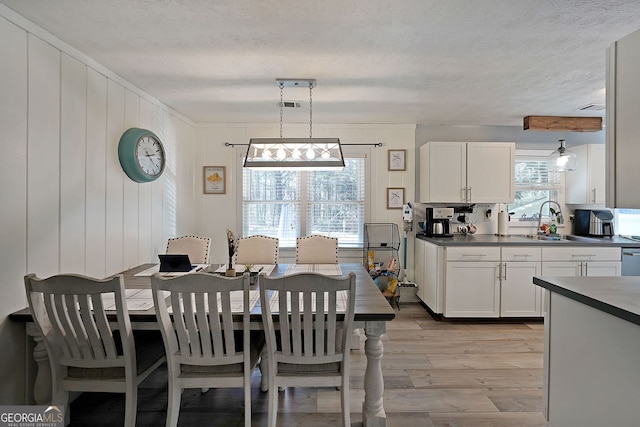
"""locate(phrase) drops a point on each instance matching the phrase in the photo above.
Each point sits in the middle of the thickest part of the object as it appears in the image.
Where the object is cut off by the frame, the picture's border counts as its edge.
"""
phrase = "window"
(628, 221)
(289, 203)
(534, 184)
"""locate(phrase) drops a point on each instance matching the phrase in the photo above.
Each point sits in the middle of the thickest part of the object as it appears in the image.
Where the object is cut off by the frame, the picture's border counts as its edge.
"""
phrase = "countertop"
(519, 240)
(618, 296)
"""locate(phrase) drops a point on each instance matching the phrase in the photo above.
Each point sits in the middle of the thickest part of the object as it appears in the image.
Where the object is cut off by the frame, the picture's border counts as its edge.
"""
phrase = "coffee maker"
(437, 222)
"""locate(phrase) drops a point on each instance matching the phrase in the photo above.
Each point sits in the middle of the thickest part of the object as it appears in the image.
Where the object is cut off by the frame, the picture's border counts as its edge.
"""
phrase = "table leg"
(373, 414)
(42, 383)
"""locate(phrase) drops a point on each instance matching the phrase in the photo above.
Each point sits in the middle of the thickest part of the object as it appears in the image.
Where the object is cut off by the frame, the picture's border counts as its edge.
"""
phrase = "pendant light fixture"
(561, 159)
(295, 153)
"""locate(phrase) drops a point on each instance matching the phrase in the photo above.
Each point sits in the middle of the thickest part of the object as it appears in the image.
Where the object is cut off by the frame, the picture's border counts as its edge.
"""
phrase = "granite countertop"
(520, 240)
(618, 296)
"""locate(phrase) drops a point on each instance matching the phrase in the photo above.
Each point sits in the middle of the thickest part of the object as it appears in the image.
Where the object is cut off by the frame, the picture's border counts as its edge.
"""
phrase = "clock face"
(141, 155)
(150, 156)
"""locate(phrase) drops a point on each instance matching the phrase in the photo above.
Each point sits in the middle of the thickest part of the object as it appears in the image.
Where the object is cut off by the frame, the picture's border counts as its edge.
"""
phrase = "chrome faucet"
(558, 214)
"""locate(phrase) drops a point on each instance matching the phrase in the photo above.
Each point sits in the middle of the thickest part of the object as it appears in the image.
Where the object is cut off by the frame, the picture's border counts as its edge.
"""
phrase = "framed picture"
(215, 179)
(397, 160)
(395, 198)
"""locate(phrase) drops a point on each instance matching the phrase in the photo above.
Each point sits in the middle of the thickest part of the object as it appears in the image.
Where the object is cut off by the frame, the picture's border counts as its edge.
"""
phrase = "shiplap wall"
(66, 204)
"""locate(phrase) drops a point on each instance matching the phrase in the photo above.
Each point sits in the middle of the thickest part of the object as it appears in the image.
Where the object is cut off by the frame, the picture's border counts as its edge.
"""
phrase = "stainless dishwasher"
(631, 261)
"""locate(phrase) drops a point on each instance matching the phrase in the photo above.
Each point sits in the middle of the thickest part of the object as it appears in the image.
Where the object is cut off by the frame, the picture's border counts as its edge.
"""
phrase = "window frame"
(348, 152)
(557, 190)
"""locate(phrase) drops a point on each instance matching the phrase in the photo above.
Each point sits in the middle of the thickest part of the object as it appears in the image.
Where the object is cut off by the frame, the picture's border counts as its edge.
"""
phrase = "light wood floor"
(444, 374)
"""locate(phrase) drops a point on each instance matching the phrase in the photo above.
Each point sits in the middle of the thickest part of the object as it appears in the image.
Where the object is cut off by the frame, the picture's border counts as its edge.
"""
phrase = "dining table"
(371, 314)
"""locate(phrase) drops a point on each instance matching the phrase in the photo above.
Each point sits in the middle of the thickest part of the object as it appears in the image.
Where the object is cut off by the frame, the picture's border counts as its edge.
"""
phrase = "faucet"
(558, 214)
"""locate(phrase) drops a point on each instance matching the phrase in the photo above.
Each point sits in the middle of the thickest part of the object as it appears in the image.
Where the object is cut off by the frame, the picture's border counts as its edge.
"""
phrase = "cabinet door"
(605, 268)
(597, 177)
(490, 172)
(519, 297)
(443, 172)
(472, 289)
(419, 256)
(586, 184)
(562, 268)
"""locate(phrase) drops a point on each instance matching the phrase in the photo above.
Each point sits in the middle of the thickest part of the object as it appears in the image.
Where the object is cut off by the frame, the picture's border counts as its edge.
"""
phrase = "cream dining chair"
(257, 249)
(316, 249)
(316, 349)
(86, 352)
(205, 347)
(196, 247)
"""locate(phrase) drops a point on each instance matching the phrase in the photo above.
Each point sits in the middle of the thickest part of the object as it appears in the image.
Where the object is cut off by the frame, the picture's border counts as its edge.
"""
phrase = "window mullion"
(304, 202)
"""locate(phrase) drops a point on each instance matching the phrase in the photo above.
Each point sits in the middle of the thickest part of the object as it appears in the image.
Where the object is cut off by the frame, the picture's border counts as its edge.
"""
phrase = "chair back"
(70, 313)
(316, 249)
(257, 249)
(202, 329)
(312, 328)
(196, 247)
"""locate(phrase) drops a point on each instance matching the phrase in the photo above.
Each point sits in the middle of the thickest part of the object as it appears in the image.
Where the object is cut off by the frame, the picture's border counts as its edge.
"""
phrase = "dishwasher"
(631, 259)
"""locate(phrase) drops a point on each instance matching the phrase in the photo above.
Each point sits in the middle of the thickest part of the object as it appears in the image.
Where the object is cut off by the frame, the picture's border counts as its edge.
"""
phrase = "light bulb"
(280, 155)
(295, 154)
(311, 154)
(266, 154)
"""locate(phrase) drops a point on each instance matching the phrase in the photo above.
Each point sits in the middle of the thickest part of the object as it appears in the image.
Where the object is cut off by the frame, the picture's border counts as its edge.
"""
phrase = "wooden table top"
(370, 304)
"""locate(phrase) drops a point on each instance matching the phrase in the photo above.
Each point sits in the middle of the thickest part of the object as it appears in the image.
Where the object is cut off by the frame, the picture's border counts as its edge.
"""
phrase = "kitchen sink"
(557, 237)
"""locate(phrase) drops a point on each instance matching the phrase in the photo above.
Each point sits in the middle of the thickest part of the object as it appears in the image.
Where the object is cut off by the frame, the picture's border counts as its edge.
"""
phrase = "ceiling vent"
(592, 107)
(289, 104)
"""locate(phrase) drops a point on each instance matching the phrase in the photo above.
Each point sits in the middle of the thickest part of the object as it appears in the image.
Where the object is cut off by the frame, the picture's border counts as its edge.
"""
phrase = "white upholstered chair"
(316, 349)
(204, 347)
(196, 247)
(257, 250)
(316, 249)
(86, 352)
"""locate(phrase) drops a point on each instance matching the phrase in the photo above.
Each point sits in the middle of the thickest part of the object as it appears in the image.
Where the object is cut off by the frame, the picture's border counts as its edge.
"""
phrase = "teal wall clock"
(141, 155)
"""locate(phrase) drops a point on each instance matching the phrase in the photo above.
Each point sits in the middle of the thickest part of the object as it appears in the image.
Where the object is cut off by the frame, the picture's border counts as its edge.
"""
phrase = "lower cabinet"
(472, 282)
(577, 262)
(519, 297)
(493, 281)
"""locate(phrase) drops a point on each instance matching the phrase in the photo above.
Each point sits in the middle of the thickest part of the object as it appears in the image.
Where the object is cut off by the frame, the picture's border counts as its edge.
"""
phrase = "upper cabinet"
(586, 184)
(467, 172)
(623, 98)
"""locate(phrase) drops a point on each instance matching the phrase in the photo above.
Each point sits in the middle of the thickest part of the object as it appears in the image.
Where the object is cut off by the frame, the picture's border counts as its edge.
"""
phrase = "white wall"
(66, 204)
(217, 212)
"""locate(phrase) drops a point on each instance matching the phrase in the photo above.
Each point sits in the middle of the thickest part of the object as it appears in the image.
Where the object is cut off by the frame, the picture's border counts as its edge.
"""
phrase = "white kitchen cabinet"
(623, 98)
(581, 261)
(428, 258)
(519, 297)
(467, 172)
(586, 184)
(472, 283)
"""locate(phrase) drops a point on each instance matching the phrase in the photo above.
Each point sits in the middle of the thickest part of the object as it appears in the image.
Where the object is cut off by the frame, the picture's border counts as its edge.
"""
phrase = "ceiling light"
(561, 159)
(295, 153)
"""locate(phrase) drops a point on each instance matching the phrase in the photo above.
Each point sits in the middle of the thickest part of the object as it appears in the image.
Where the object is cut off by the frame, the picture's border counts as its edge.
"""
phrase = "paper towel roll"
(503, 226)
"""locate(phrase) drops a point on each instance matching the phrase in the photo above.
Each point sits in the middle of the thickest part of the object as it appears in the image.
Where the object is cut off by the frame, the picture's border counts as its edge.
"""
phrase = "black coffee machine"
(437, 222)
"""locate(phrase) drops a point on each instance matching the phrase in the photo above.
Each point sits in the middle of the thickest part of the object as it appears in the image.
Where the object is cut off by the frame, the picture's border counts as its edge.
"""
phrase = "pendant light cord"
(310, 110)
(281, 105)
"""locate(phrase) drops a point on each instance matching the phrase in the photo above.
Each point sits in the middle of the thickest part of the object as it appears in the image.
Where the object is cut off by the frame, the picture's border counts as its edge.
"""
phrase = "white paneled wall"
(66, 204)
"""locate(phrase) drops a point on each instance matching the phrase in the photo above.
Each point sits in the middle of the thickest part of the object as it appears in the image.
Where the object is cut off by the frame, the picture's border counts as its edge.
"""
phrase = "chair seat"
(314, 369)
(149, 349)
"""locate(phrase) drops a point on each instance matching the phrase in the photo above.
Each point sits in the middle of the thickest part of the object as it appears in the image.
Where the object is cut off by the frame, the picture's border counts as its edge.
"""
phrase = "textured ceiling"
(432, 62)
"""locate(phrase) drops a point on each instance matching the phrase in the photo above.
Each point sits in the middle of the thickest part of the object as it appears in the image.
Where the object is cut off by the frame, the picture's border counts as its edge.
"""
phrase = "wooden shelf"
(563, 123)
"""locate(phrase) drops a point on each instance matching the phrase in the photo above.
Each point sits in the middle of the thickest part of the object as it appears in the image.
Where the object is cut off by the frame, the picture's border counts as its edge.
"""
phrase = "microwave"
(593, 222)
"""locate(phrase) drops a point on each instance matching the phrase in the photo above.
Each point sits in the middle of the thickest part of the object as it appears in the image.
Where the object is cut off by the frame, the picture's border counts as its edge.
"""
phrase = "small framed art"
(397, 160)
(215, 179)
(395, 198)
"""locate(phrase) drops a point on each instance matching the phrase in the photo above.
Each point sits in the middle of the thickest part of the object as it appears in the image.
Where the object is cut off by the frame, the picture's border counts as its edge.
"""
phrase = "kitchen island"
(592, 342)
